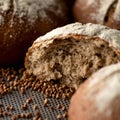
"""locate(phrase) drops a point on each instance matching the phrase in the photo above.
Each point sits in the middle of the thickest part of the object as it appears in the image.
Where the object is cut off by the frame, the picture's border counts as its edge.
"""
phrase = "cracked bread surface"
(71, 58)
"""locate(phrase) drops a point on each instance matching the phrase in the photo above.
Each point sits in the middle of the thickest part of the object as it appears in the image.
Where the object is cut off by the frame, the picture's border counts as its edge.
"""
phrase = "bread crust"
(22, 21)
(106, 12)
(98, 97)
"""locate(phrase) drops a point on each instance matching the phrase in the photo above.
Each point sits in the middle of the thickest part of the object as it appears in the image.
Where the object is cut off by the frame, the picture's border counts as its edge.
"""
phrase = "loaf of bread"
(105, 12)
(70, 54)
(22, 21)
(98, 98)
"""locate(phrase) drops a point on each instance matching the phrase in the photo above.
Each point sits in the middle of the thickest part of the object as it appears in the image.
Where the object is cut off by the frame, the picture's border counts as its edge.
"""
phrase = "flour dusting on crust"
(32, 9)
(4, 7)
(112, 36)
(109, 82)
(102, 10)
(1, 20)
(117, 12)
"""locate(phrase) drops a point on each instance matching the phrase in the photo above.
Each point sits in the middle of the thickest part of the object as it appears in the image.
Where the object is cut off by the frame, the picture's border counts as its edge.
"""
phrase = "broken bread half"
(70, 54)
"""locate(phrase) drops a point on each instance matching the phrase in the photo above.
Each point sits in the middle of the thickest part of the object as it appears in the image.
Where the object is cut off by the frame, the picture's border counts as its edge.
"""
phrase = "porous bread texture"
(72, 53)
(98, 97)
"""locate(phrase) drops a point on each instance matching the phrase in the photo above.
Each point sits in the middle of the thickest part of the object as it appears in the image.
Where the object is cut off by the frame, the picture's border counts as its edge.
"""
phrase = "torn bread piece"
(71, 53)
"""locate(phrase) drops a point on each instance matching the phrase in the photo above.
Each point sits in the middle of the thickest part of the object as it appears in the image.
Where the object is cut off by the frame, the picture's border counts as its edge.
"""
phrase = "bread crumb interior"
(72, 60)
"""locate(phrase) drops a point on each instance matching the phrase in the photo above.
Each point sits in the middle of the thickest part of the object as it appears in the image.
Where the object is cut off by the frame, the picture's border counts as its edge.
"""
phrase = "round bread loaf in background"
(98, 98)
(22, 21)
(70, 54)
(105, 12)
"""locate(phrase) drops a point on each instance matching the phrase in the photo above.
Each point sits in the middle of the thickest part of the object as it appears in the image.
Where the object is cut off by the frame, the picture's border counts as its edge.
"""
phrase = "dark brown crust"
(17, 36)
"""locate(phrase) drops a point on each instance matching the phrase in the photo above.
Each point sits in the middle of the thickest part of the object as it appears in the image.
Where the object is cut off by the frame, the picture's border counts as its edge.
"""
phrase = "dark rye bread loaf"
(22, 21)
(98, 98)
(70, 54)
(105, 12)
